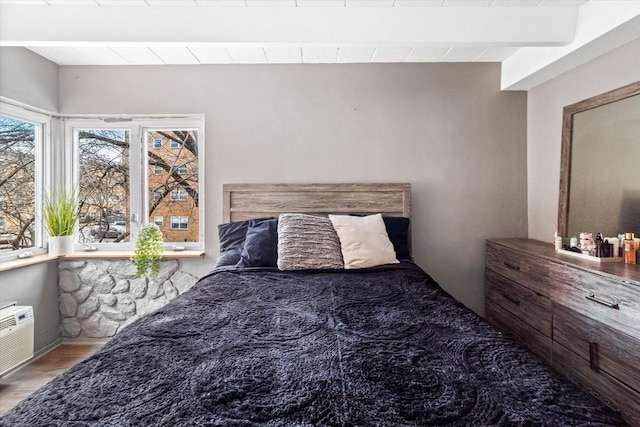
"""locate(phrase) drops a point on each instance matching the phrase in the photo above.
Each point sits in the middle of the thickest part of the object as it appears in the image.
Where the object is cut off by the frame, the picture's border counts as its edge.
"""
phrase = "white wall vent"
(16, 336)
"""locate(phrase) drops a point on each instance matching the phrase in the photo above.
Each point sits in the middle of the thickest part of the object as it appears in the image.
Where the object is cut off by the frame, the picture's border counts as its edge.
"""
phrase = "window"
(117, 187)
(1, 223)
(178, 195)
(104, 184)
(179, 223)
(21, 144)
(181, 184)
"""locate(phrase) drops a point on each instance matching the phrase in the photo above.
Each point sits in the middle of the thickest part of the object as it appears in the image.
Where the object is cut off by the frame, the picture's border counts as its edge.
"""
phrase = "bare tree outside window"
(172, 175)
(175, 192)
(17, 184)
(104, 185)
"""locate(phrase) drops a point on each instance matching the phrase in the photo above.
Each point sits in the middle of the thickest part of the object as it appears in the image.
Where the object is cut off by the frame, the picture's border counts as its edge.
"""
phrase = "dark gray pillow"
(398, 231)
(231, 236)
(228, 258)
(260, 245)
(307, 242)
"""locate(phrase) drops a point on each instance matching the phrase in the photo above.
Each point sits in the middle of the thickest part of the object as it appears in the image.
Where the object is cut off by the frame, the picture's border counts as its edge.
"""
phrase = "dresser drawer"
(528, 271)
(607, 300)
(600, 384)
(604, 348)
(523, 303)
(519, 331)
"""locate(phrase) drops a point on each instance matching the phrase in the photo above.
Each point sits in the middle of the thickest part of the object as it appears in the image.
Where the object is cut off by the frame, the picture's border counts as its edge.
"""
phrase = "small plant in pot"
(148, 252)
(60, 217)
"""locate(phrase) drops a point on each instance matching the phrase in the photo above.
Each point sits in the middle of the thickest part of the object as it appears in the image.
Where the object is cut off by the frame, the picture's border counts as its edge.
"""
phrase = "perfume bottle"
(599, 243)
(629, 251)
(557, 241)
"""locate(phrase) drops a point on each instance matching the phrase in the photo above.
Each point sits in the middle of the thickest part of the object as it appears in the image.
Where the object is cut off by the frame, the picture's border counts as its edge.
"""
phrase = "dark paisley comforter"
(384, 347)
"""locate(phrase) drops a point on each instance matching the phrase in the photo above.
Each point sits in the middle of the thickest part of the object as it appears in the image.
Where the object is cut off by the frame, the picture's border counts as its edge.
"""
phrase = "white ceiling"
(157, 32)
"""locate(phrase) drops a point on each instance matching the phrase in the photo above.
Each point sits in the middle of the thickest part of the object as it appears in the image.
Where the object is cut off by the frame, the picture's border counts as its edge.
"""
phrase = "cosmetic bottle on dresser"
(599, 243)
(629, 250)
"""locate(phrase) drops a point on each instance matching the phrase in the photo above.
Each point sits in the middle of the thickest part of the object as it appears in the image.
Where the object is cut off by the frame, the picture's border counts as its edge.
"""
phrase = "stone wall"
(97, 298)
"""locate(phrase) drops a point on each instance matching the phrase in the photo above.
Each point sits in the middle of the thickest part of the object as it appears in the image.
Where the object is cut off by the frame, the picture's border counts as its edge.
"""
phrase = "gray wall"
(28, 78)
(544, 127)
(445, 128)
(33, 80)
(37, 286)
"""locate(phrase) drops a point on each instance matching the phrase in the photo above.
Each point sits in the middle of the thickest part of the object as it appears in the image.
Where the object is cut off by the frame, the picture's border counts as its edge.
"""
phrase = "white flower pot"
(60, 245)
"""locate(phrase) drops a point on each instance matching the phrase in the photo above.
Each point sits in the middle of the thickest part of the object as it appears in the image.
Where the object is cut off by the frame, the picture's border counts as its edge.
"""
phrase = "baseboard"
(46, 349)
(84, 341)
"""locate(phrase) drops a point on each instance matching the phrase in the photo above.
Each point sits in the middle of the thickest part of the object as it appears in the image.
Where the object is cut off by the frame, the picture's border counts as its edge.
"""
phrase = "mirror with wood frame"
(600, 165)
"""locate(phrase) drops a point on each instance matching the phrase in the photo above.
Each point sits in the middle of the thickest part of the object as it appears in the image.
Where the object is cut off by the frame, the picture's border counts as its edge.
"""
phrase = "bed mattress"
(260, 347)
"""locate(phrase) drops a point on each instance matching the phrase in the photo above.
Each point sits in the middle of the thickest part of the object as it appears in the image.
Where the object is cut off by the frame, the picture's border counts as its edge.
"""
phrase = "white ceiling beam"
(443, 26)
(603, 25)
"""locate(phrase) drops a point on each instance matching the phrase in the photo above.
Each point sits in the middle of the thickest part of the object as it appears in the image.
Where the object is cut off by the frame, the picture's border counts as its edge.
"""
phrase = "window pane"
(17, 184)
(179, 223)
(178, 188)
(104, 185)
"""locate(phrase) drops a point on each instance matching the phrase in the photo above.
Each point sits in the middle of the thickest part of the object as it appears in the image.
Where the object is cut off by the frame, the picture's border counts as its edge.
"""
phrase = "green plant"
(148, 252)
(60, 214)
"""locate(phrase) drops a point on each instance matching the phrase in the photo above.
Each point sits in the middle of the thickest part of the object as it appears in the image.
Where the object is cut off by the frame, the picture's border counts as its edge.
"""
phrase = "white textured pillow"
(363, 240)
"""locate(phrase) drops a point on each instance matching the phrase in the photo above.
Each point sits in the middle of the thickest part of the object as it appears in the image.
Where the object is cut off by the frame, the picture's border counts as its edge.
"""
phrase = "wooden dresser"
(580, 316)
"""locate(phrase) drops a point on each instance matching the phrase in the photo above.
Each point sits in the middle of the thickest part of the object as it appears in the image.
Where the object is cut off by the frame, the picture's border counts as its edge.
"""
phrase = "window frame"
(139, 170)
(43, 181)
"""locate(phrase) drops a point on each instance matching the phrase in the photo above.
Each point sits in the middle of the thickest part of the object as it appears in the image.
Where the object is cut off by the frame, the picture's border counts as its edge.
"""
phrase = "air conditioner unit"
(16, 336)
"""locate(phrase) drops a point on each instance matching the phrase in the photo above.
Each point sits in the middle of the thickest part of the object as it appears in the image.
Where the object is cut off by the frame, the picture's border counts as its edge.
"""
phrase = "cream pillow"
(363, 240)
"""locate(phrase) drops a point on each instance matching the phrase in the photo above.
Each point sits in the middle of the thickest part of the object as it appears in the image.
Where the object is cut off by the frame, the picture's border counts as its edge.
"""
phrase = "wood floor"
(20, 384)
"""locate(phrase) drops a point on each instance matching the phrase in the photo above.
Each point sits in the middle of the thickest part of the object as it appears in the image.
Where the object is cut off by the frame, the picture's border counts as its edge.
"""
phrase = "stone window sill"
(38, 259)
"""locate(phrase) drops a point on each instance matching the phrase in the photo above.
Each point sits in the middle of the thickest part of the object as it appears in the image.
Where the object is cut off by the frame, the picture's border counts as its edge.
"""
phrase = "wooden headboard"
(247, 201)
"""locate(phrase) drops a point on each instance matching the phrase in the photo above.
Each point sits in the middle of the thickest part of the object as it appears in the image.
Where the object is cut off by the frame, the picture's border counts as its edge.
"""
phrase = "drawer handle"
(512, 266)
(512, 299)
(593, 356)
(594, 298)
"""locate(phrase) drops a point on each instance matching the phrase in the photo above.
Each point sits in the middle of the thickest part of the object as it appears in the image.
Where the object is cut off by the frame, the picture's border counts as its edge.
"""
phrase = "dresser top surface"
(537, 248)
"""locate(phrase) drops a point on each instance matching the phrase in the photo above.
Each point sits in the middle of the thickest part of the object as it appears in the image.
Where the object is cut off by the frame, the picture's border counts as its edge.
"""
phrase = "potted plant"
(60, 217)
(148, 252)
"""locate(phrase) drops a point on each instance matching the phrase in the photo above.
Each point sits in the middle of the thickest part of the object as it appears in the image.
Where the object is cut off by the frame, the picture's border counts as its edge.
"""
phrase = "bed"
(258, 344)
